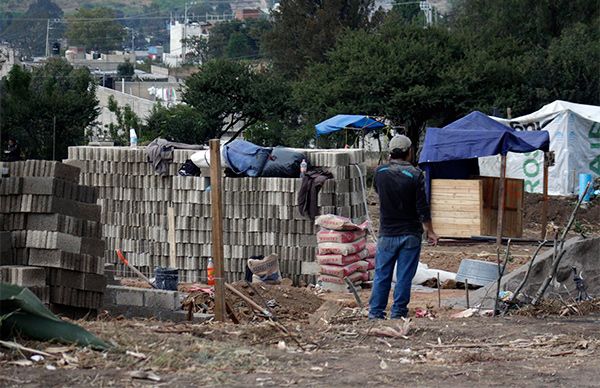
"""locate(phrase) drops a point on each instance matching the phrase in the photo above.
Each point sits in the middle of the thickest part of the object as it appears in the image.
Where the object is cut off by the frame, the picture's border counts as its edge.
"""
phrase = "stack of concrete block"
(54, 224)
(33, 278)
(260, 214)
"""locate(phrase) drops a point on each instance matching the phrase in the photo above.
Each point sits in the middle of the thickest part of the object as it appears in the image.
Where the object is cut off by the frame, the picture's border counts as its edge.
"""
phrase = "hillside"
(69, 6)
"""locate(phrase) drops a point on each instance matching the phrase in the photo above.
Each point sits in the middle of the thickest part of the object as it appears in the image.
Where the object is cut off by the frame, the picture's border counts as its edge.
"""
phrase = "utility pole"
(47, 38)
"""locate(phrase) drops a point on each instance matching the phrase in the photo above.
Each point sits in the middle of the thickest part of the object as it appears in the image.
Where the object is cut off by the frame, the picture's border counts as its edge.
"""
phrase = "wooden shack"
(469, 207)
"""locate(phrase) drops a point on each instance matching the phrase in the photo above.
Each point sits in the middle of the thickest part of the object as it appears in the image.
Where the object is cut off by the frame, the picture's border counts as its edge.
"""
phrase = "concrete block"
(129, 296)
(161, 299)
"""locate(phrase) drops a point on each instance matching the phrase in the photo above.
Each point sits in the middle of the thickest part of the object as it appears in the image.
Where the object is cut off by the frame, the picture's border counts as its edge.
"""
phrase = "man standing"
(404, 213)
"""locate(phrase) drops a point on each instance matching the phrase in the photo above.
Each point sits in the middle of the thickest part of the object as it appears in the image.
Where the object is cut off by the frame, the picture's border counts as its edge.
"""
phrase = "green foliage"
(237, 39)
(125, 70)
(102, 34)
(397, 73)
(180, 123)
(126, 120)
(30, 35)
(231, 95)
(305, 30)
(32, 100)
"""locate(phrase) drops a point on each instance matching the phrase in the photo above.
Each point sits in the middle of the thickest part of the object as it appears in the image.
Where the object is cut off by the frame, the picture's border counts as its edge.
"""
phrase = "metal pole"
(54, 138)
(47, 38)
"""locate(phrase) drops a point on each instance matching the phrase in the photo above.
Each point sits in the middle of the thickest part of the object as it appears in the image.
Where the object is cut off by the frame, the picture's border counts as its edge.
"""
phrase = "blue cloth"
(402, 251)
(477, 135)
(339, 122)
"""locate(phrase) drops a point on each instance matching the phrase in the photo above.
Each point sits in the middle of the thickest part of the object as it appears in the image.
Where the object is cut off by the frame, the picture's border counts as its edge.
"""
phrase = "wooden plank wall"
(513, 211)
(456, 207)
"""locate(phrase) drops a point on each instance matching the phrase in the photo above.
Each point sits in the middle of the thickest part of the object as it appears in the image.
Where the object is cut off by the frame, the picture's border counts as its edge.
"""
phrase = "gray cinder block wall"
(261, 214)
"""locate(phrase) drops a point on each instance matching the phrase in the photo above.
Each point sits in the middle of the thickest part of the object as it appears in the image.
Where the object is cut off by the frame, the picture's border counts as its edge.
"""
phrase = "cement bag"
(333, 222)
(326, 235)
(341, 259)
(355, 278)
(266, 269)
(283, 163)
(245, 158)
(372, 249)
(371, 262)
(341, 249)
(343, 271)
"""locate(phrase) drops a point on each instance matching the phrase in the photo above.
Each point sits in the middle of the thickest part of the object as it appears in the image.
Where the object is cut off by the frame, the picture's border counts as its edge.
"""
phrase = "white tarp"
(574, 131)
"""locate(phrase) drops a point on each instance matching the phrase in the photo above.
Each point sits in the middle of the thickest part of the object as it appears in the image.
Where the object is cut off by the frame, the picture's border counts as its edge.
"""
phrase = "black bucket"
(166, 278)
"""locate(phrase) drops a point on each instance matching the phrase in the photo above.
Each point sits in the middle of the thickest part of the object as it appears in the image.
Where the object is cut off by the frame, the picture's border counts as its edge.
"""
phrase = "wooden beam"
(171, 237)
(216, 175)
(545, 200)
(501, 201)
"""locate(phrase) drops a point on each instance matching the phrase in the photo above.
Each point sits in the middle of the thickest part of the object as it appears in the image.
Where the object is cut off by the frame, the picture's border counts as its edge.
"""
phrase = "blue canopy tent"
(339, 122)
(451, 152)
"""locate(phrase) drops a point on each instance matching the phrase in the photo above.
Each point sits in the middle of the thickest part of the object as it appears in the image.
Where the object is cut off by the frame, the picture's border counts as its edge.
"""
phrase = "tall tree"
(48, 108)
(304, 30)
(95, 29)
(398, 72)
(223, 96)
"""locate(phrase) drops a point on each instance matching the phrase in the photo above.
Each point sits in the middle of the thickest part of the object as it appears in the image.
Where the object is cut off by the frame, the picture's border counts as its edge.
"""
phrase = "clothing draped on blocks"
(308, 196)
(160, 153)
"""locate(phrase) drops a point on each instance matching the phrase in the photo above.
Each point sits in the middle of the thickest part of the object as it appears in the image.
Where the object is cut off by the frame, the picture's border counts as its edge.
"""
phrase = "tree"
(29, 33)
(48, 108)
(95, 29)
(305, 30)
(230, 95)
(126, 119)
(125, 70)
(180, 123)
(237, 39)
(398, 72)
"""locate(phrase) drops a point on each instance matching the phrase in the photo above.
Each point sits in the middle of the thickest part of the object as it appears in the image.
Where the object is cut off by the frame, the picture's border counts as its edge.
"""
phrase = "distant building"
(179, 33)
(8, 58)
(248, 14)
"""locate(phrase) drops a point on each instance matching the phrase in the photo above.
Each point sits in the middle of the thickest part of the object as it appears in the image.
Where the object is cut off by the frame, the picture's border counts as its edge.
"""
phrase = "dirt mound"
(580, 253)
(286, 302)
(559, 210)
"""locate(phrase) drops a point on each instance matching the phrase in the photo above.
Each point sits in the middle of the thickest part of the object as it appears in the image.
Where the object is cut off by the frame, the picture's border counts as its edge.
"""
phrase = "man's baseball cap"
(400, 142)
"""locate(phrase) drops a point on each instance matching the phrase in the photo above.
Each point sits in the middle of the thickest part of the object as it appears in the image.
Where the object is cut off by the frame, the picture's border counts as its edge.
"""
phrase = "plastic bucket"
(479, 273)
(166, 278)
(584, 179)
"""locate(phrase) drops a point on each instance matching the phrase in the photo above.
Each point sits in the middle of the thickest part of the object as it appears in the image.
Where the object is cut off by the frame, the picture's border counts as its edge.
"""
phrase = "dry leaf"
(383, 364)
(22, 363)
(57, 349)
(144, 375)
(136, 354)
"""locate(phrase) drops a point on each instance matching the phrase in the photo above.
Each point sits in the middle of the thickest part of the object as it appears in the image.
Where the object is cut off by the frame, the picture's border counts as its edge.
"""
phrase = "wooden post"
(545, 193)
(501, 201)
(216, 176)
(171, 236)
(467, 293)
(439, 290)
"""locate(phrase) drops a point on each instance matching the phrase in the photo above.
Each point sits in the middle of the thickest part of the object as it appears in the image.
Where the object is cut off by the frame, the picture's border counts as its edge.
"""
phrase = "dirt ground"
(440, 351)
(530, 349)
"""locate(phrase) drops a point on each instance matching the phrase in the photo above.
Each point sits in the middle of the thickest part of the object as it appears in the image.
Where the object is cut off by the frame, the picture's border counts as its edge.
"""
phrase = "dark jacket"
(308, 196)
(402, 200)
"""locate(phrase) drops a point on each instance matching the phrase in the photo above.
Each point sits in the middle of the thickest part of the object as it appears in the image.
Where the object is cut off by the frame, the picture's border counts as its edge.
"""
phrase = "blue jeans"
(401, 250)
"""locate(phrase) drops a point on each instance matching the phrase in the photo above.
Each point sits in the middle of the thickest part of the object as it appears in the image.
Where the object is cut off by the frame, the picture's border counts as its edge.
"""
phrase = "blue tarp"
(451, 152)
(476, 135)
(339, 122)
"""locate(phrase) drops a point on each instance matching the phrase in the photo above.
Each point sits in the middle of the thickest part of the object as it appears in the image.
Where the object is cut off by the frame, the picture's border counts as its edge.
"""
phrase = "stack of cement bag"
(341, 252)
